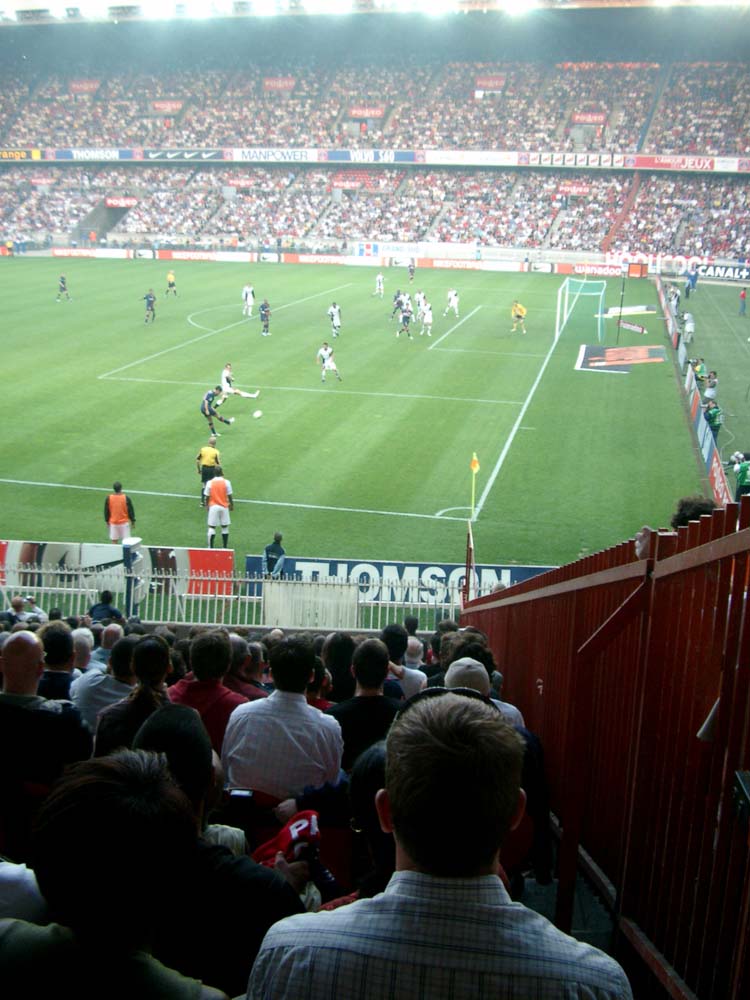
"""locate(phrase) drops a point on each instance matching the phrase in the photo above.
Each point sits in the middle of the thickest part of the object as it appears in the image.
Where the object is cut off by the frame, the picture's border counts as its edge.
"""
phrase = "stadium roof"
(29, 12)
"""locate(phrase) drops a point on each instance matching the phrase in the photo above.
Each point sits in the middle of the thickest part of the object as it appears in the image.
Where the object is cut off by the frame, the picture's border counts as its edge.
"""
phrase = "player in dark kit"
(406, 315)
(150, 299)
(396, 303)
(208, 411)
(411, 272)
(265, 315)
(62, 288)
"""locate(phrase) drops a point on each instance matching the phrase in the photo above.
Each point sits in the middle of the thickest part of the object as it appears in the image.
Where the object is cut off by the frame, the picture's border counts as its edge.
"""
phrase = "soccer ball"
(258, 414)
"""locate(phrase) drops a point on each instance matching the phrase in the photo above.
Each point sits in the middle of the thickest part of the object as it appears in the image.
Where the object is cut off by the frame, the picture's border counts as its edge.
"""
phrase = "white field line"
(498, 354)
(258, 503)
(212, 333)
(454, 327)
(337, 391)
(511, 437)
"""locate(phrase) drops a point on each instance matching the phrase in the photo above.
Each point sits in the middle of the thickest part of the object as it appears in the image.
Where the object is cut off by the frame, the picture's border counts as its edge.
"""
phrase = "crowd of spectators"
(696, 108)
(694, 215)
(703, 111)
(129, 862)
(531, 209)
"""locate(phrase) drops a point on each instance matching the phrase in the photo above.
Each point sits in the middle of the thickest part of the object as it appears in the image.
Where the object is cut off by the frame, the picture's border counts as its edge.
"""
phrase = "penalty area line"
(453, 328)
(257, 503)
(511, 437)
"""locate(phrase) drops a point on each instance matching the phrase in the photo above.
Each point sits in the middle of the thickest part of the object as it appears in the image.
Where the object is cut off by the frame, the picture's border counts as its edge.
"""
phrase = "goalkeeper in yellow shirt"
(518, 315)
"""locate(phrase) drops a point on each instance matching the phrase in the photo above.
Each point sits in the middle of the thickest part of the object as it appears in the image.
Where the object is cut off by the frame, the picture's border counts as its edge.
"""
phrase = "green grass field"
(374, 467)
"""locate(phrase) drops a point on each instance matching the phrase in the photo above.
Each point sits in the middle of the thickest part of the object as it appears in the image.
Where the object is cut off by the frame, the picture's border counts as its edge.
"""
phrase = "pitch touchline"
(258, 503)
(337, 392)
(454, 327)
(211, 333)
(514, 430)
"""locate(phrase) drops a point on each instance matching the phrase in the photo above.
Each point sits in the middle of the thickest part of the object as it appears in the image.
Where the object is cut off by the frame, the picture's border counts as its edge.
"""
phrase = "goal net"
(578, 302)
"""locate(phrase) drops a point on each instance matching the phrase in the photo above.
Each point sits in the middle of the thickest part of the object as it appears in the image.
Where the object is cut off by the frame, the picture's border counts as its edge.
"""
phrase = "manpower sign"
(411, 583)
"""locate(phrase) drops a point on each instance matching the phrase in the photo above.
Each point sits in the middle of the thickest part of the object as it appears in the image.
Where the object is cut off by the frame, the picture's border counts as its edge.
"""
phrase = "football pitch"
(374, 467)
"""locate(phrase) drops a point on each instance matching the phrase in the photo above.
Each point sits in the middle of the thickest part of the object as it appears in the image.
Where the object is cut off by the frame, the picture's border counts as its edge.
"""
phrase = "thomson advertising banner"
(426, 583)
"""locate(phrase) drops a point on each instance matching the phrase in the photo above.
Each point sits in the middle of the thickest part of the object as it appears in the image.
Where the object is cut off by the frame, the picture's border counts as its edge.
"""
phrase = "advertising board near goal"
(418, 583)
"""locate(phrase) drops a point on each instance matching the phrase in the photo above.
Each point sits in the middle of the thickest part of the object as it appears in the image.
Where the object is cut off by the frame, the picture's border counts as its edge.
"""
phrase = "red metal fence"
(617, 664)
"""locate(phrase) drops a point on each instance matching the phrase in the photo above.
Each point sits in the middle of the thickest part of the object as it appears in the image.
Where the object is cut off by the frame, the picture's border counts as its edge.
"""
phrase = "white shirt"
(280, 744)
(335, 313)
(427, 314)
(226, 380)
(248, 293)
(324, 354)
(379, 281)
(452, 298)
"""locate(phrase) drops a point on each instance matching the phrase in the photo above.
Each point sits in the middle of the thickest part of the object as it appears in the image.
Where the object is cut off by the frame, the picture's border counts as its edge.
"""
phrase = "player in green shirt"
(742, 472)
(714, 417)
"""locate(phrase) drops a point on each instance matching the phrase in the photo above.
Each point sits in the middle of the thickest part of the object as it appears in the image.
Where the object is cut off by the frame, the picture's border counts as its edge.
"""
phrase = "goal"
(577, 296)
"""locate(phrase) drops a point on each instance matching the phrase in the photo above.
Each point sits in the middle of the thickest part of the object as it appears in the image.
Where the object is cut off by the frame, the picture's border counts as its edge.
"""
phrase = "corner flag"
(474, 466)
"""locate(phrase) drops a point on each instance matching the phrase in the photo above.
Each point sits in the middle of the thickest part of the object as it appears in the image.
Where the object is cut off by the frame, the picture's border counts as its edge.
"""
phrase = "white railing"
(231, 599)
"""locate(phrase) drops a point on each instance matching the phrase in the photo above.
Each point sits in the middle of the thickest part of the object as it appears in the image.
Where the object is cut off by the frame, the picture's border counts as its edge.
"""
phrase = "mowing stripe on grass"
(331, 392)
(212, 333)
(499, 354)
(454, 327)
(287, 305)
(511, 437)
(257, 503)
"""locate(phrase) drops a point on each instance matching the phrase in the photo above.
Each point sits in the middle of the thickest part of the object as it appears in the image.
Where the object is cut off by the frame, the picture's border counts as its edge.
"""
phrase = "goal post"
(570, 293)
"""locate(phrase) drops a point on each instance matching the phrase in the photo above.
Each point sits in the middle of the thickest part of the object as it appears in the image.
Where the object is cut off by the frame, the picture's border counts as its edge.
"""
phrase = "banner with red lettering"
(125, 201)
(490, 82)
(279, 82)
(571, 187)
(589, 117)
(84, 86)
(168, 107)
(367, 111)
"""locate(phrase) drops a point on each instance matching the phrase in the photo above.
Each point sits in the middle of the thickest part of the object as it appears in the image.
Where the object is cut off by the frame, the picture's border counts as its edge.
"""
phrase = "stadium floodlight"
(198, 10)
(438, 8)
(514, 8)
(159, 10)
(265, 8)
(570, 293)
(328, 6)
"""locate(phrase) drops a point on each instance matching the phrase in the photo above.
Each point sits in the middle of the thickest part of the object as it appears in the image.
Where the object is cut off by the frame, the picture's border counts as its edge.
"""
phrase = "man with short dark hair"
(119, 514)
(59, 653)
(98, 689)
(445, 925)
(280, 744)
(274, 557)
(218, 491)
(365, 718)
(104, 609)
(210, 654)
(245, 675)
